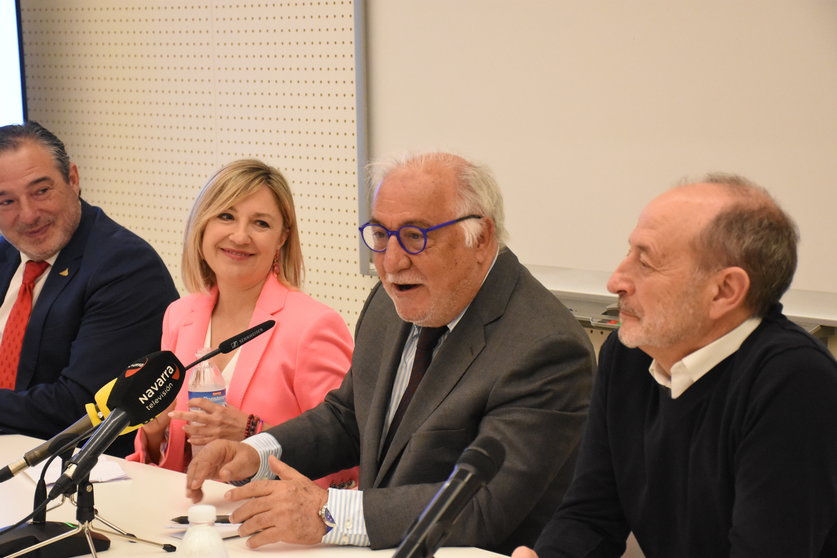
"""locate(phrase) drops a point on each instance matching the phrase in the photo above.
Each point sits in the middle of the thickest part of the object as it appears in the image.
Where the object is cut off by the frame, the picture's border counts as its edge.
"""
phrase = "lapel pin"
(64, 272)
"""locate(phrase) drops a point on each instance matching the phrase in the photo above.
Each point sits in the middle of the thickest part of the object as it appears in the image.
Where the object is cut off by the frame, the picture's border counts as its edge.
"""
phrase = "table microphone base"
(68, 540)
(85, 539)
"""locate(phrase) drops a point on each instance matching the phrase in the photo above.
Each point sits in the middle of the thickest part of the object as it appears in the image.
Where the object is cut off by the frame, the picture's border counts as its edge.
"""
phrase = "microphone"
(145, 389)
(476, 466)
(98, 411)
(79, 428)
(41, 452)
(236, 341)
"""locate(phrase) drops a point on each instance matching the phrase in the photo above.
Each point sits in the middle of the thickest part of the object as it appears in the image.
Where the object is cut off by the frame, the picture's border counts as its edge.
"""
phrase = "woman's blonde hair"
(234, 182)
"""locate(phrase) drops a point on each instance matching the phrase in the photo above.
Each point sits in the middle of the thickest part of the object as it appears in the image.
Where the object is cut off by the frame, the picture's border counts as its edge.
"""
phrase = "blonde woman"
(242, 264)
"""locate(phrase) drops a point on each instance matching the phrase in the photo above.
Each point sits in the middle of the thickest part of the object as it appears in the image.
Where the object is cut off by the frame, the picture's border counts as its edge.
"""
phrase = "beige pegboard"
(152, 96)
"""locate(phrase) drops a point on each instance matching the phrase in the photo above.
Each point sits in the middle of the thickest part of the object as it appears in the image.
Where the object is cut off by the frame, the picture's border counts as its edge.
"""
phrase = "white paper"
(106, 470)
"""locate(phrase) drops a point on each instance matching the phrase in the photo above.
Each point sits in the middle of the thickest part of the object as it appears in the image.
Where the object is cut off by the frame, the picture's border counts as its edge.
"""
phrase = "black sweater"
(744, 463)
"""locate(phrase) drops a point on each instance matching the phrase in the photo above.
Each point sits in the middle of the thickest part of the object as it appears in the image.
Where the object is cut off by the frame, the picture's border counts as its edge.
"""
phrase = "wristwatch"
(327, 518)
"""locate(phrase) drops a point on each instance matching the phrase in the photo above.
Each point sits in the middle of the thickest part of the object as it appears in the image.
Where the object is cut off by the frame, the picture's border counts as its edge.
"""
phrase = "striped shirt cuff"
(266, 445)
(346, 507)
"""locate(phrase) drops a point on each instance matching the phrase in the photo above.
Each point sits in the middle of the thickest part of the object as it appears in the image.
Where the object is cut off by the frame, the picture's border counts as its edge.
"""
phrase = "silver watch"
(327, 518)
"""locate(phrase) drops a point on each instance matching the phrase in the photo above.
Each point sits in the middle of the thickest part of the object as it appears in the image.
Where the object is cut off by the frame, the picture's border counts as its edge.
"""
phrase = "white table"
(144, 504)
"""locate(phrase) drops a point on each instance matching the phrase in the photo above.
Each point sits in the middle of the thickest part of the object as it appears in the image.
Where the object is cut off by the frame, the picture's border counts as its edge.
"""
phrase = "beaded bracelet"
(253, 425)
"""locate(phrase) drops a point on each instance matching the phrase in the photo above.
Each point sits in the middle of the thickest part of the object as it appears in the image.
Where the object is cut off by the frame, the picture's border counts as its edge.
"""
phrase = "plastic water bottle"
(202, 539)
(206, 382)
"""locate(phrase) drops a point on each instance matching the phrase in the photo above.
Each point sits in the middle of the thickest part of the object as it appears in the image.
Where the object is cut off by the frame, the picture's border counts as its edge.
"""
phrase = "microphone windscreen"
(484, 458)
(147, 386)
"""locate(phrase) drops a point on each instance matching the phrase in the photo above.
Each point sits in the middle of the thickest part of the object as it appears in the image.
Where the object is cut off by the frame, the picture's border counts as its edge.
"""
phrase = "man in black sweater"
(713, 425)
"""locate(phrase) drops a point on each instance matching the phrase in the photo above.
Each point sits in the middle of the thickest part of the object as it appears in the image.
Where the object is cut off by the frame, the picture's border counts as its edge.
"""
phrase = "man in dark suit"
(96, 306)
(511, 364)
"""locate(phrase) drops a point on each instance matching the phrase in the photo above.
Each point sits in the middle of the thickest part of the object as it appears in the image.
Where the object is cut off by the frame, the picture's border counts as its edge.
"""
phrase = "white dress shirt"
(692, 367)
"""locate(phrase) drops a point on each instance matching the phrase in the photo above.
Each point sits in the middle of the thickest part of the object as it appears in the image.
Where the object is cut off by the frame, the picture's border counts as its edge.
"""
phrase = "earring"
(276, 269)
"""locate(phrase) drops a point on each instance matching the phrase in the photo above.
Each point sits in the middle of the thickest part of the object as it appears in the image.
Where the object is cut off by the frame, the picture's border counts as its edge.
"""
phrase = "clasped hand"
(285, 510)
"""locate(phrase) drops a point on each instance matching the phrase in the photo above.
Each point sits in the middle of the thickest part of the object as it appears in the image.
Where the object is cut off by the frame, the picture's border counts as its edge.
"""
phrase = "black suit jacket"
(102, 306)
(517, 367)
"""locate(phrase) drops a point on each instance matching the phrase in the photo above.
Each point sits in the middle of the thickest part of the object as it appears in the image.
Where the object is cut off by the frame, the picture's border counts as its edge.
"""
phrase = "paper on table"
(105, 470)
(226, 530)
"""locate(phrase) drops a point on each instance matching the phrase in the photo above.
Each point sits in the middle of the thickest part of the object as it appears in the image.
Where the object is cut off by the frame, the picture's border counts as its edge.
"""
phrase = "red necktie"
(428, 338)
(16, 325)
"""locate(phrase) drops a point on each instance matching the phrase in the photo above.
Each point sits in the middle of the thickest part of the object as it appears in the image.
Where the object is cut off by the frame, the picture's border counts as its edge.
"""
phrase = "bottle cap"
(202, 513)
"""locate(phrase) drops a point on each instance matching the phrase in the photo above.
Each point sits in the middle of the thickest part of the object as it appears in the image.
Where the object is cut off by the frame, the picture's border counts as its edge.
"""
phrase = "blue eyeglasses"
(412, 239)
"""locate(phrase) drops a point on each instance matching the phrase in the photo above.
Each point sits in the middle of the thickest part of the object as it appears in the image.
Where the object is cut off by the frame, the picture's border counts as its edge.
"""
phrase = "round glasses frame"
(412, 238)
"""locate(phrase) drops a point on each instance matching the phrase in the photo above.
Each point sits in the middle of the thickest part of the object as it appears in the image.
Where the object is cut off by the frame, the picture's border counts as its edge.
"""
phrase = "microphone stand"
(38, 528)
(85, 512)
(95, 537)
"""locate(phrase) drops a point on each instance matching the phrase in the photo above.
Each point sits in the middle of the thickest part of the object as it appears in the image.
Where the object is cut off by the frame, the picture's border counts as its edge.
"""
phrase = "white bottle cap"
(203, 513)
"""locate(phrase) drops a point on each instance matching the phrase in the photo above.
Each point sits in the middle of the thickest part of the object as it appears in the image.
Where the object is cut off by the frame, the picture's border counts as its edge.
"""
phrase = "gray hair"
(478, 192)
(753, 233)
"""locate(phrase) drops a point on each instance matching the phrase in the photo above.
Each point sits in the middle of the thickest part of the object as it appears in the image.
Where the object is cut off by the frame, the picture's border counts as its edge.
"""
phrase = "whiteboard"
(585, 110)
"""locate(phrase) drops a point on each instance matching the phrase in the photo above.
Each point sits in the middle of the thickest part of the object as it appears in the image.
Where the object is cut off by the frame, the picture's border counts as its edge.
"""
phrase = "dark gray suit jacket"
(517, 367)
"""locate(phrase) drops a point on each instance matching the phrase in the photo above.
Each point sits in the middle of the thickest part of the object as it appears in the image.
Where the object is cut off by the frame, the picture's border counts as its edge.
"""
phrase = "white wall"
(587, 110)
(610, 104)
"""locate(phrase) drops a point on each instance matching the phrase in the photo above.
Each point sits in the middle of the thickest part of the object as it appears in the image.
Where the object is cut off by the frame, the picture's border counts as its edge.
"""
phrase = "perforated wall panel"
(151, 97)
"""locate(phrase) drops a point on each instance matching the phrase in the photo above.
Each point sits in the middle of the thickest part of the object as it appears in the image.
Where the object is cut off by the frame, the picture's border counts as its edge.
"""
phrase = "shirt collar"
(692, 367)
(50, 260)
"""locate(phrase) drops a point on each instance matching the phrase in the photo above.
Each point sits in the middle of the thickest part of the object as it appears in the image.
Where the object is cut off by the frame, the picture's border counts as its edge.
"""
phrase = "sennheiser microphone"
(144, 390)
(236, 341)
(476, 466)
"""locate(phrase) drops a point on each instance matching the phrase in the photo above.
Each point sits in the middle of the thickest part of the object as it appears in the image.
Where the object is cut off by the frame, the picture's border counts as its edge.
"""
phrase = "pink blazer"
(279, 374)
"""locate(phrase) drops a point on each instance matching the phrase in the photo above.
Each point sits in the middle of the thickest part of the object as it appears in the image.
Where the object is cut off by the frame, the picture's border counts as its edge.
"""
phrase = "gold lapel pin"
(64, 272)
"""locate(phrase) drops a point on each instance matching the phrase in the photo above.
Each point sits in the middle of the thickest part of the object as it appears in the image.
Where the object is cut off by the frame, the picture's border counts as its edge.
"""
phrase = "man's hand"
(220, 460)
(524, 552)
(284, 510)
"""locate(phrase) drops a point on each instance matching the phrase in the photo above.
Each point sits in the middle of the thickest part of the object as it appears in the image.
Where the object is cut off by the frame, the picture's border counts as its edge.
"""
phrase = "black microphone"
(41, 452)
(476, 466)
(236, 341)
(98, 411)
(144, 390)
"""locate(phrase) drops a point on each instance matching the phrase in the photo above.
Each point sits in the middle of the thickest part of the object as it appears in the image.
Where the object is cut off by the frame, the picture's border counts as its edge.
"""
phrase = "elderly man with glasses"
(456, 344)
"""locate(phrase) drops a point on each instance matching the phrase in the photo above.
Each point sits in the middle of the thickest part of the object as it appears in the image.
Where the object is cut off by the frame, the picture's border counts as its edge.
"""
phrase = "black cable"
(65, 448)
(25, 519)
(41, 508)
